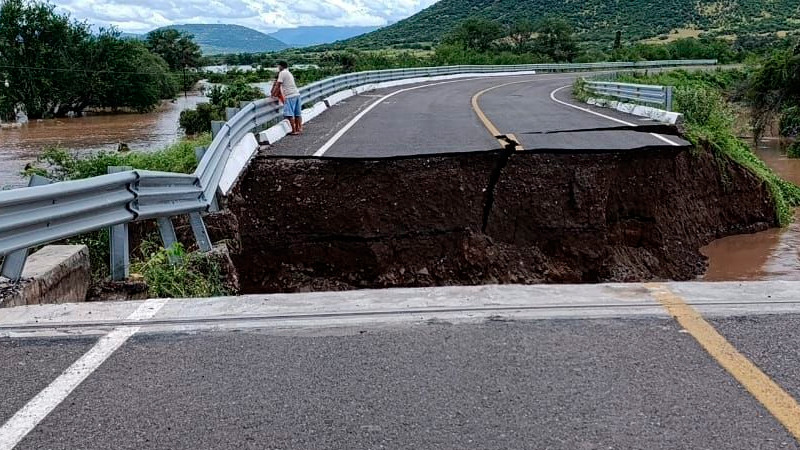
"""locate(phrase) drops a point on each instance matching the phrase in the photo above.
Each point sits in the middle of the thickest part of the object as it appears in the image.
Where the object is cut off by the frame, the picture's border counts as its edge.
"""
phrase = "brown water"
(142, 132)
(770, 255)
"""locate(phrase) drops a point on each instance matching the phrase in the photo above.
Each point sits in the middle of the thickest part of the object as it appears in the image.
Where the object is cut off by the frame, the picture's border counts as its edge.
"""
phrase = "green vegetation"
(174, 273)
(702, 97)
(52, 66)
(195, 121)
(774, 92)
(59, 164)
(596, 20)
(176, 48)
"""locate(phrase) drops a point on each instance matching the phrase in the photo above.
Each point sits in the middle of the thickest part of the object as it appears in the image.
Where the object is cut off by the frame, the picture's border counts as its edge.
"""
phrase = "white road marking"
(363, 113)
(27, 418)
(614, 119)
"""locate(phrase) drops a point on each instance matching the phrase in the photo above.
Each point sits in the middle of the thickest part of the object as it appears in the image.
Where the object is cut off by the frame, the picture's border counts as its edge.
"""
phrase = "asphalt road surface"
(439, 117)
(505, 367)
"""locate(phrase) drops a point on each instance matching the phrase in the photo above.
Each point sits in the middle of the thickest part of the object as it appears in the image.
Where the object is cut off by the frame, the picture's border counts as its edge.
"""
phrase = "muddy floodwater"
(142, 132)
(770, 255)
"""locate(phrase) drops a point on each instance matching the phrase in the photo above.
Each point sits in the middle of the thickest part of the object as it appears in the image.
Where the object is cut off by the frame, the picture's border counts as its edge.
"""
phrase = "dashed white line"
(614, 119)
(26, 419)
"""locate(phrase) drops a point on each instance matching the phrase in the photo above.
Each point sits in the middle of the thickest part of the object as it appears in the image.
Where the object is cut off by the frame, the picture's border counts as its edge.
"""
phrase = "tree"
(555, 39)
(56, 66)
(178, 49)
(521, 34)
(475, 34)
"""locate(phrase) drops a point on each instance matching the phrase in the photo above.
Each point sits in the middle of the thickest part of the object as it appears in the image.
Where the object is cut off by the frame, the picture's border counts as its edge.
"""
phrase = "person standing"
(293, 106)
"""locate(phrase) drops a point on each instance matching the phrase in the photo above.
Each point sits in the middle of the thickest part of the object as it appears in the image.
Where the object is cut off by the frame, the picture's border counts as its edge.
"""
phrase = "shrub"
(173, 273)
(790, 121)
(196, 121)
(794, 150)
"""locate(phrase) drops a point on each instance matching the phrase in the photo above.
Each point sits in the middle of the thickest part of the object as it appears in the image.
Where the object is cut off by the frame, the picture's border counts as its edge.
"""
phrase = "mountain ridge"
(596, 19)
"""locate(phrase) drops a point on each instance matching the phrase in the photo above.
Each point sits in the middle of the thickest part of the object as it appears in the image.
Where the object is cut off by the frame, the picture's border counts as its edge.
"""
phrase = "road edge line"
(587, 110)
(783, 407)
(26, 419)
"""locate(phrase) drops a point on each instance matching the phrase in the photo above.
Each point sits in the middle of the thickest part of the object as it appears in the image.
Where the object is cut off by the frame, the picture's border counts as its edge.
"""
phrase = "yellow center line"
(488, 123)
(772, 396)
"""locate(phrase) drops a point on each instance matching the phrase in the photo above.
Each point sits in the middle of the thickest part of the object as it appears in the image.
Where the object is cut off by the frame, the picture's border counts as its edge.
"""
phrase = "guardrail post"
(199, 152)
(216, 126)
(14, 263)
(119, 242)
(200, 232)
(168, 236)
(230, 112)
(668, 98)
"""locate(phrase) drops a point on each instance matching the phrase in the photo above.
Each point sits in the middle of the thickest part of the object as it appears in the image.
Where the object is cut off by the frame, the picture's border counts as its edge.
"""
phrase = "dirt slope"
(488, 217)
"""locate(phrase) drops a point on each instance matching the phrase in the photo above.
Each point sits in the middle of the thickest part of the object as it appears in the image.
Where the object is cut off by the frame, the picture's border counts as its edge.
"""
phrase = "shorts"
(293, 107)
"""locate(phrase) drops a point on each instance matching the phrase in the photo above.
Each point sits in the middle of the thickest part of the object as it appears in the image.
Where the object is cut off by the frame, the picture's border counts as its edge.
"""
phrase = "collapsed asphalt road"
(409, 192)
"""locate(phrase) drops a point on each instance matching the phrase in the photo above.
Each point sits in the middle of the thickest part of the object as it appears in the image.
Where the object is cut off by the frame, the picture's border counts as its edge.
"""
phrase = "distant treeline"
(481, 41)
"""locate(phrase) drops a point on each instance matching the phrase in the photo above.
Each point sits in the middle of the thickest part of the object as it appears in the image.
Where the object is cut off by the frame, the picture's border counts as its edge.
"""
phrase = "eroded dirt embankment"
(488, 217)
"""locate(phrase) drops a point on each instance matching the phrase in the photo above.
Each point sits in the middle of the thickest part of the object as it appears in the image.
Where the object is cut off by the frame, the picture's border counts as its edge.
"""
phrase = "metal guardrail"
(642, 93)
(37, 215)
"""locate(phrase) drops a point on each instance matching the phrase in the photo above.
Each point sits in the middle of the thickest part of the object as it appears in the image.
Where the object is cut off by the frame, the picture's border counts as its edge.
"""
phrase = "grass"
(59, 164)
(174, 273)
(702, 99)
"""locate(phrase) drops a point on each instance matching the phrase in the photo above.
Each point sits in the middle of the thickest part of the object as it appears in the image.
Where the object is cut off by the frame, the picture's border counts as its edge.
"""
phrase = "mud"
(487, 217)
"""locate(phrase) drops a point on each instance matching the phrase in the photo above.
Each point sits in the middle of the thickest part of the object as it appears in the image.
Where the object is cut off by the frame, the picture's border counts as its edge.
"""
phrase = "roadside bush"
(794, 150)
(790, 121)
(196, 121)
(191, 275)
(703, 106)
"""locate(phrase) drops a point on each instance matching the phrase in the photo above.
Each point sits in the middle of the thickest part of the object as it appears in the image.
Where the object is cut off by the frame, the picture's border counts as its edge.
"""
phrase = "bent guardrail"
(641, 93)
(40, 214)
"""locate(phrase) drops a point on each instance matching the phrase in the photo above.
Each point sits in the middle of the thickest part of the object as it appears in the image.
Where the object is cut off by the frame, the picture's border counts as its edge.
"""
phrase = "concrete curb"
(659, 115)
(54, 274)
(239, 159)
(469, 304)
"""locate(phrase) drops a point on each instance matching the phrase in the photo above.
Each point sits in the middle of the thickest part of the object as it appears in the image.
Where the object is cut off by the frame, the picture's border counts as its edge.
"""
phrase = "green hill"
(637, 19)
(220, 39)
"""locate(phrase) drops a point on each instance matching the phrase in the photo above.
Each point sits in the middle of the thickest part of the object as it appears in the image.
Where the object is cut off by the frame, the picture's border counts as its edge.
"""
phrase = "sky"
(136, 16)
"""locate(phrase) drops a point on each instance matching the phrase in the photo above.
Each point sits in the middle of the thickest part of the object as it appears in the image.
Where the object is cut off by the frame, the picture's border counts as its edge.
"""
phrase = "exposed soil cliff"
(488, 217)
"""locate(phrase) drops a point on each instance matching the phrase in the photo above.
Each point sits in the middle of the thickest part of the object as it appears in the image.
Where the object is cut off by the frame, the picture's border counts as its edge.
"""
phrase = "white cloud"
(264, 15)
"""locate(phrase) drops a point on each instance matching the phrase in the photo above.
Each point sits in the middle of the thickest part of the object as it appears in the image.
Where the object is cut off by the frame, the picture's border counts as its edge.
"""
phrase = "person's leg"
(288, 113)
(299, 120)
(297, 106)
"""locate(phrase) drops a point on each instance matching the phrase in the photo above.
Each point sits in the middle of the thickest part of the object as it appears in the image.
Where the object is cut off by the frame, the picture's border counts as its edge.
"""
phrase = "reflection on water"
(19, 146)
(770, 255)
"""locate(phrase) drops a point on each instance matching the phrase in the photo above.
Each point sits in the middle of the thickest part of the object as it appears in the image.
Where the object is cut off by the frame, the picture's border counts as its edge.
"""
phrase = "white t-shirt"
(288, 86)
